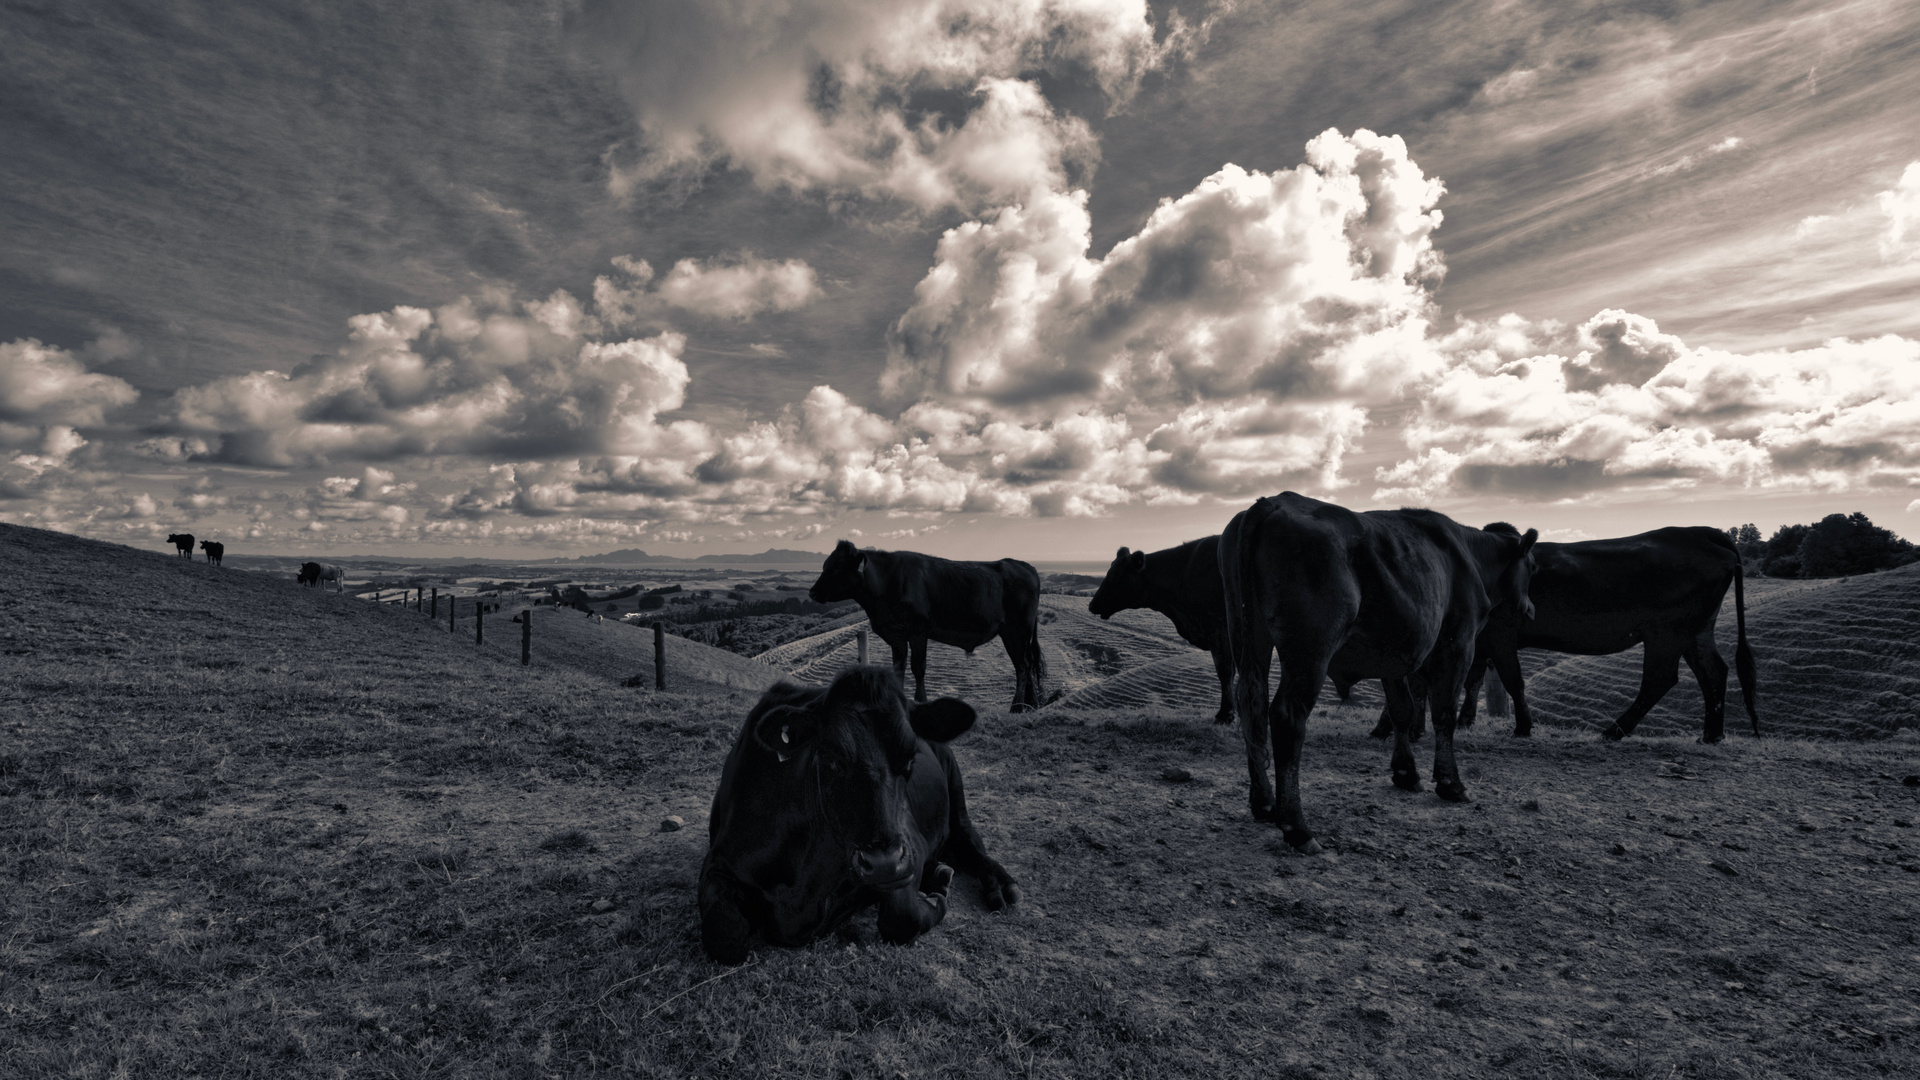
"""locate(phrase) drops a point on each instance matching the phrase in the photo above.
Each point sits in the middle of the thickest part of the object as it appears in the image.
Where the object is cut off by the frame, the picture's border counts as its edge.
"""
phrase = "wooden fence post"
(453, 605)
(659, 656)
(479, 611)
(419, 598)
(526, 637)
(861, 637)
(435, 615)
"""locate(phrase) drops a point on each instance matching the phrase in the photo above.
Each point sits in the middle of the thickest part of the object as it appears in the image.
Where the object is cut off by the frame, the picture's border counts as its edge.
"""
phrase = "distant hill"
(637, 557)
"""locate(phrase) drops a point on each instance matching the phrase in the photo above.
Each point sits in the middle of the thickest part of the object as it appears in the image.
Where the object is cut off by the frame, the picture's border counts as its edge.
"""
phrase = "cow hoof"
(1301, 841)
(1407, 781)
(1711, 739)
(1522, 733)
(1613, 733)
(1262, 813)
(995, 895)
(938, 881)
(1019, 707)
(1382, 731)
(1453, 791)
(1224, 718)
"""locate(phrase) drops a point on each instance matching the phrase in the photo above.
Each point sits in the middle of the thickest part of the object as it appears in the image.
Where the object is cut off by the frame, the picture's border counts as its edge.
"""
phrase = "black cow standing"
(214, 549)
(835, 799)
(1182, 583)
(912, 598)
(183, 543)
(1381, 595)
(1599, 597)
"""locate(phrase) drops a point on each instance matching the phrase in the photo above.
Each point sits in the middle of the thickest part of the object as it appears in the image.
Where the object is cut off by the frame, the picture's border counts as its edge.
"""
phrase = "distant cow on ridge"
(313, 573)
(1599, 597)
(1381, 595)
(913, 598)
(834, 800)
(183, 542)
(214, 549)
(1182, 583)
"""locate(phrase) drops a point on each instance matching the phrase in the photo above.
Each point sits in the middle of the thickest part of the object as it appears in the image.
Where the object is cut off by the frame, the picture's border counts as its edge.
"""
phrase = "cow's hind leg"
(964, 848)
(1026, 690)
(1250, 702)
(1710, 671)
(1444, 693)
(1658, 675)
(1300, 681)
(1507, 668)
(1396, 715)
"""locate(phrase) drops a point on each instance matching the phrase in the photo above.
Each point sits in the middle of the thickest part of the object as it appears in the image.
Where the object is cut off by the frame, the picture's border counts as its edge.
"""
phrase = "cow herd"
(183, 546)
(837, 799)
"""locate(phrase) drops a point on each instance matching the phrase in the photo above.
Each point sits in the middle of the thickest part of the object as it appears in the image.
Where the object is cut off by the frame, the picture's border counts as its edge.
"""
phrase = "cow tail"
(1236, 570)
(1743, 654)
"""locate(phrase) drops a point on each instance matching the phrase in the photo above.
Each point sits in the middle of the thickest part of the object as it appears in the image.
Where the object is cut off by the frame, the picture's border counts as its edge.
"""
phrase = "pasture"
(249, 829)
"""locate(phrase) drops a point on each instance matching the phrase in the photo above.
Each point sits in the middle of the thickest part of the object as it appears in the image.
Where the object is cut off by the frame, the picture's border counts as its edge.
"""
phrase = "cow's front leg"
(918, 645)
(724, 928)
(907, 913)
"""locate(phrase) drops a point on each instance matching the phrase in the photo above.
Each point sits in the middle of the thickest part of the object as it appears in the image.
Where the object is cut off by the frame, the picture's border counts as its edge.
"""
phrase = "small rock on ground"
(673, 823)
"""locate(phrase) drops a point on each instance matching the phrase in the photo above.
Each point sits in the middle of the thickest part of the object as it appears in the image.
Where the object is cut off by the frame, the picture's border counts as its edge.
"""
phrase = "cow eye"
(910, 762)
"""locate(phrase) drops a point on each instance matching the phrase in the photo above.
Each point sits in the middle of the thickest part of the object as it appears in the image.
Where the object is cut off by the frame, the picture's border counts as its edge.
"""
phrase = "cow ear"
(784, 729)
(942, 719)
(1138, 561)
(1122, 553)
(1526, 542)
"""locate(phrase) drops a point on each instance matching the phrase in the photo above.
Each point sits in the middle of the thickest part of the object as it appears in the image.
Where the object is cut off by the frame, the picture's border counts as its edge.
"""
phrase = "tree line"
(1838, 545)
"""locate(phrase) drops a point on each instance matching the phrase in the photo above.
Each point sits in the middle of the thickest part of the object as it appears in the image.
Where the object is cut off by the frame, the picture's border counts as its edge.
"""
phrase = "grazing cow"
(183, 544)
(214, 549)
(912, 598)
(1182, 583)
(313, 573)
(1599, 597)
(1383, 595)
(835, 799)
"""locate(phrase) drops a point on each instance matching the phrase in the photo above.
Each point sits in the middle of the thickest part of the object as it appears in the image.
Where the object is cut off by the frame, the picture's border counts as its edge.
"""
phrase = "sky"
(982, 278)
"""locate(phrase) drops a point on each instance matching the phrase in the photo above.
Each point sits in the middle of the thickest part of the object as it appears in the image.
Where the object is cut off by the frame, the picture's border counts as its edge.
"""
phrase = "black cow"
(309, 574)
(911, 598)
(183, 542)
(1182, 583)
(214, 549)
(835, 799)
(1381, 595)
(1599, 597)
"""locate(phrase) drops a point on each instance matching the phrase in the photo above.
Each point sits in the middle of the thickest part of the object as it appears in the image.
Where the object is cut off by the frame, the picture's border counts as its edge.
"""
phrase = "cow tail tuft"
(1743, 653)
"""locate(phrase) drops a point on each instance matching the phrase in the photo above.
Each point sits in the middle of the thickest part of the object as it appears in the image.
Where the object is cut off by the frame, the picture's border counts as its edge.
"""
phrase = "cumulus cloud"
(929, 101)
(1901, 205)
(45, 392)
(1305, 284)
(741, 289)
(1636, 407)
(460, 380)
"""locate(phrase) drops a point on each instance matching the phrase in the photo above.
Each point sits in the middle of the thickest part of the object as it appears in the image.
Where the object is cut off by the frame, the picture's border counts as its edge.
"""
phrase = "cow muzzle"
(885, 868)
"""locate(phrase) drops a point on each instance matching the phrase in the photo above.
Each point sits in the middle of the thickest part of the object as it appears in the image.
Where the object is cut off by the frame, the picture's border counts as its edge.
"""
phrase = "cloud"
(741, 289)
(1306, 284)
(1637, 408)
(470, 378)
(44, 389)
(1901, 205)
(928, 101)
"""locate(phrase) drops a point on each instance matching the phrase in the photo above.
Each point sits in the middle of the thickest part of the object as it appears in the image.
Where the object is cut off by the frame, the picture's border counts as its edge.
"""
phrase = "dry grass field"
(248, 829)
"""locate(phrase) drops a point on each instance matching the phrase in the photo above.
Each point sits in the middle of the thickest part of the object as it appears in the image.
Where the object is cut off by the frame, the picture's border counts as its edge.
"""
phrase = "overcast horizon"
(983, 278)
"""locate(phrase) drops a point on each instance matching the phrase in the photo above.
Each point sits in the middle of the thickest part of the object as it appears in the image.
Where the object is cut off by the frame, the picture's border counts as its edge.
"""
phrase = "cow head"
(1517, 568)
(309, 573)
(841, 576)
(1124, 587)
(848, 756)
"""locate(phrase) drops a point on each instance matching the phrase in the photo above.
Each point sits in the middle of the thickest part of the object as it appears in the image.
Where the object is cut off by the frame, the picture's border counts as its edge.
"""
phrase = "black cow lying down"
(835, 799)
(1182, 583)
(912, 598)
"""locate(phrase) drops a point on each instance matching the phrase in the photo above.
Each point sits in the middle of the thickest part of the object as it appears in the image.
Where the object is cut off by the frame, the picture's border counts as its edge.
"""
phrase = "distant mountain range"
(636, 557)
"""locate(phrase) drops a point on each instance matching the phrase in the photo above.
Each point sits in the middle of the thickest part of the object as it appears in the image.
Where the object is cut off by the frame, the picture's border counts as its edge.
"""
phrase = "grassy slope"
(249, 830)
